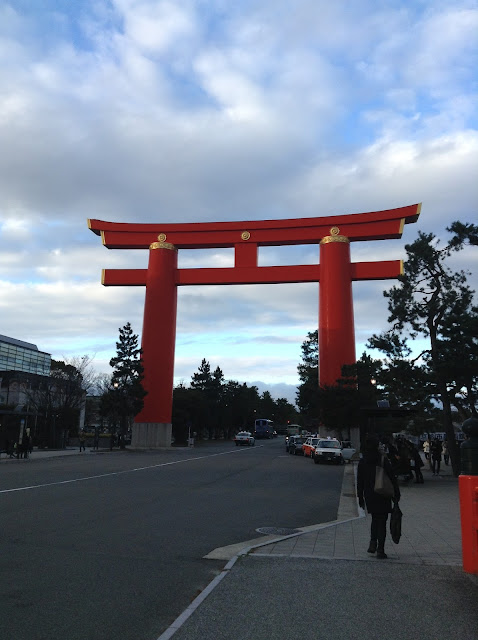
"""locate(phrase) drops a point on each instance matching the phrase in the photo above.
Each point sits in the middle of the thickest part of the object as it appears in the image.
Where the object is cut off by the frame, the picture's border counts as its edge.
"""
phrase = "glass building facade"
(16, 355)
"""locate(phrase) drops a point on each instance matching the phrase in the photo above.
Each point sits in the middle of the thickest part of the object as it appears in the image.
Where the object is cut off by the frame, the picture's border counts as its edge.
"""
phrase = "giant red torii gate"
(335, 273)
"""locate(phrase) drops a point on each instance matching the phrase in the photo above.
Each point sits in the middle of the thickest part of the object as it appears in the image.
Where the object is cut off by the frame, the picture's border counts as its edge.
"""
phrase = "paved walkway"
(40, 454)
(431, 532)
(322, 583)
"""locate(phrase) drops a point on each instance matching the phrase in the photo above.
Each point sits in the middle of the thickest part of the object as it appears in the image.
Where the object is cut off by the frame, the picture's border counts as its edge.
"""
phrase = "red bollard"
(468, 486)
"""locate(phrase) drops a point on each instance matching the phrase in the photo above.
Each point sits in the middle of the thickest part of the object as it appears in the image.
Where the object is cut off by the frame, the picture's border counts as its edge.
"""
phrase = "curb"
(349, 480)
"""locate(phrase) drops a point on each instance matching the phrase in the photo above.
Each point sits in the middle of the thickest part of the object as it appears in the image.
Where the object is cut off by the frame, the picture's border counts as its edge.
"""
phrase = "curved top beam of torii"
(375, 225)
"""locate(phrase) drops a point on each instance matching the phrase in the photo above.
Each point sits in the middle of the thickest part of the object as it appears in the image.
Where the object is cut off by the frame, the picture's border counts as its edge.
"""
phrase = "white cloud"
(143, 110)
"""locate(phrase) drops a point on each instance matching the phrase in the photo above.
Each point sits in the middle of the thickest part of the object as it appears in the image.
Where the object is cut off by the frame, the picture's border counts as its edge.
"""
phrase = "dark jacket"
(366, 482)
(436, 449)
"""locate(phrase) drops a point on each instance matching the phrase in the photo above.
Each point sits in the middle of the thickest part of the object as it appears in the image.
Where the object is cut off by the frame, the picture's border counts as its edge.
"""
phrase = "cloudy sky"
(212, 110)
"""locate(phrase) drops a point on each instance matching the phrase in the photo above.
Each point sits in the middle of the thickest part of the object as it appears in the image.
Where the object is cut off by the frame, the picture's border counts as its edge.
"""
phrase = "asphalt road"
(112, 545)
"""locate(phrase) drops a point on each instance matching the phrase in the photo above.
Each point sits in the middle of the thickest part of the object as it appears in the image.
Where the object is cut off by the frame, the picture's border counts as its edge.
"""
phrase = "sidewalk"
(39, 454)
(322, 583)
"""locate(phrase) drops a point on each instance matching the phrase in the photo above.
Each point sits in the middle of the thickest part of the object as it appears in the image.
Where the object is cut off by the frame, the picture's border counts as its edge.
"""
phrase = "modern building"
(33, 402)
(24, 373)
(16, 355)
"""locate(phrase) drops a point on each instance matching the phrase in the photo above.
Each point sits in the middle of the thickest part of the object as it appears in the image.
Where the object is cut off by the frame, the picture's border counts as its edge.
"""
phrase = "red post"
(336, 315)
(152, 426)
(468, 486)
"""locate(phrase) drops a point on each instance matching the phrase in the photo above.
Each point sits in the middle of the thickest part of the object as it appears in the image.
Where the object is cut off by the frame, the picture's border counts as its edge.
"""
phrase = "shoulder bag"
(383, 484)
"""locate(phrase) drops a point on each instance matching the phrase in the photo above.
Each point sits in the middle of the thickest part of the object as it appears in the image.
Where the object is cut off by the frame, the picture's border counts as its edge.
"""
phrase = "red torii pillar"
(336, 310)
(335, 273)
(152, 427)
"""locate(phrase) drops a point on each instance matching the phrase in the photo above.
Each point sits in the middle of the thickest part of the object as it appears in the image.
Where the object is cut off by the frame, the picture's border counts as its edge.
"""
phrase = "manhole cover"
(277, 531)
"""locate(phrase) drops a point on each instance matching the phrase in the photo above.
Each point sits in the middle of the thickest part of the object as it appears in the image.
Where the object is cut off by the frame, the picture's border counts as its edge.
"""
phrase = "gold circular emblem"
(334, 231)
(162, 237)
(245, 235)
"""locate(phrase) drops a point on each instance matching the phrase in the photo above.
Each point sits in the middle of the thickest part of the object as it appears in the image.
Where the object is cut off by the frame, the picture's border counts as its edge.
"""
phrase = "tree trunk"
(445, 398)
(452, 444)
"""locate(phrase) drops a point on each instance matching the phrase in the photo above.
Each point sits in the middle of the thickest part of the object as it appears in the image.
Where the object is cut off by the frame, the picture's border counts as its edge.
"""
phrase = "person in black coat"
(377, 505)
(435, 452)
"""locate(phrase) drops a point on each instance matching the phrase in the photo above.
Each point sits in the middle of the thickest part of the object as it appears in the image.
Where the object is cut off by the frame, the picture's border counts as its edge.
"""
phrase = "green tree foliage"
(434, 303)
(125, 397)
(308, 370)
(213, 407)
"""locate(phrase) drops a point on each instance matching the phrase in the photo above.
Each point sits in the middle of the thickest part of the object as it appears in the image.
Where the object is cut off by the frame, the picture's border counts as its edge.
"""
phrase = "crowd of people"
(404, 458)
(406, 461)
(19, 449)
(433, 453)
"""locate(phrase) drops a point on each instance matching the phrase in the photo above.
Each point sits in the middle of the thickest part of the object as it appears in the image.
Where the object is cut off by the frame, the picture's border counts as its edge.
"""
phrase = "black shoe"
(372, 547)
(381, 555)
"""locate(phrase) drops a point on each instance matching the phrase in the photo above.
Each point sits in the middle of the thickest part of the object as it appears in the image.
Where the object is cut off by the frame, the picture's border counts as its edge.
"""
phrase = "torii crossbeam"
(335, 273)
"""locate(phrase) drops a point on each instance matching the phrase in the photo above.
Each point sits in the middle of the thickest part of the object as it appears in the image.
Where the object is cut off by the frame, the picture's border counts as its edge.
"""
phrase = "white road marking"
(118, 473)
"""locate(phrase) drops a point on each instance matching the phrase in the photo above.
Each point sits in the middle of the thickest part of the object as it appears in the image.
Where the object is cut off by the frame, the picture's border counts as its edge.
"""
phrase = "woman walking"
(377, 505)
(435, 452)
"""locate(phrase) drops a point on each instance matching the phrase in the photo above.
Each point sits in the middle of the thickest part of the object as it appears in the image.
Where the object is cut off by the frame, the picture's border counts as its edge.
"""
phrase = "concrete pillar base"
(151, 435)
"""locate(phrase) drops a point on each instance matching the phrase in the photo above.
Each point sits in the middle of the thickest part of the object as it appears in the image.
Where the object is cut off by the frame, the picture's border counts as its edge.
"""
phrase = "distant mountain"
(277, 390)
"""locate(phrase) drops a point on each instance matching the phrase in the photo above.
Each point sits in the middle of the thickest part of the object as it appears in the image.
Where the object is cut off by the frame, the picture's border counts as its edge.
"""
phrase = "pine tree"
(308, 370)
(127, 391)
(435, 303)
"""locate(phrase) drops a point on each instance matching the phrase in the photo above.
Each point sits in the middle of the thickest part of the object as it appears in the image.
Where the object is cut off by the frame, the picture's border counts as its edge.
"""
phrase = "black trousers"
(418, 474)
(378, 529)
(436, 464)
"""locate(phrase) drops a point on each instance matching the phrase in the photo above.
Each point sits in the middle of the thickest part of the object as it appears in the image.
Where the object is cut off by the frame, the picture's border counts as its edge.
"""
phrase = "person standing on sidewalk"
(416, 461)
(418, 464)
(82, 438)
(435, 452)
(446, 454)
(426, 449)
(377, 505)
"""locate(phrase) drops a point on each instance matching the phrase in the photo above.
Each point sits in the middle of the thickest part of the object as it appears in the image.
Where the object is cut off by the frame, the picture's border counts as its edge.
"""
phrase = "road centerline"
(117, 473)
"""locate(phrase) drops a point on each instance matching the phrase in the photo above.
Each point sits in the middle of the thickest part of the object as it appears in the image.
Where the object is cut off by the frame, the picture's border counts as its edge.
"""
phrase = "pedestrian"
(446, 453)
(82, 438)
(402, 462)
(426, 449)
(26, 446)
(96, 440)
(435, 453)
(418, 463)
(378, 506)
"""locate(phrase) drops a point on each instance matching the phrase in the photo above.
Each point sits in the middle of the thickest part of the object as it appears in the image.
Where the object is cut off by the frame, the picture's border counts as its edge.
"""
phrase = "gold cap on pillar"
(162, 244)
(334, 236)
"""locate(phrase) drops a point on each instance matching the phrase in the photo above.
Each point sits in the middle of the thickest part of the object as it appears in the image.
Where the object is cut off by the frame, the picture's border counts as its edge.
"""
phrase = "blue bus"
(263, 428)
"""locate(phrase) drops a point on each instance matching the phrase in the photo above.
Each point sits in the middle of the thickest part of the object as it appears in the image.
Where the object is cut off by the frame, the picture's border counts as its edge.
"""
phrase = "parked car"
(309, 446)
(295, 445)
(243, 438)
(328, 450)
(347, 450)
